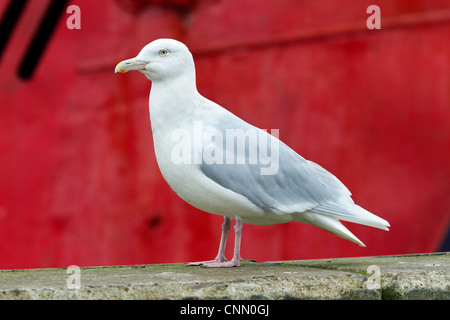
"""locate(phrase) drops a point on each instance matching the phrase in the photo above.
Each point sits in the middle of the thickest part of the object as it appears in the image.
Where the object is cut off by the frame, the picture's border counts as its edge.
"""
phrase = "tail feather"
(327, 217)
(352, 213)
(329, 224)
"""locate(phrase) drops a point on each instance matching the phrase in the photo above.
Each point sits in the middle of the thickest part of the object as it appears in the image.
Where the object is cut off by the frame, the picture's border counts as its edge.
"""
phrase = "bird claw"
(223, 264)
(203, 263)
(217, 263)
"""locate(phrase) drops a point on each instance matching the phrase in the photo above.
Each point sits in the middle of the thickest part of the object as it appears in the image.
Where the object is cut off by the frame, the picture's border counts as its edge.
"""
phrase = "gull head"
(161, 60)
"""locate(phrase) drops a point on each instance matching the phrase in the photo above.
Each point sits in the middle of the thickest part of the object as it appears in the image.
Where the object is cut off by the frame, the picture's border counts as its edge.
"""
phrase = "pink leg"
(236, 261)
(223, 242)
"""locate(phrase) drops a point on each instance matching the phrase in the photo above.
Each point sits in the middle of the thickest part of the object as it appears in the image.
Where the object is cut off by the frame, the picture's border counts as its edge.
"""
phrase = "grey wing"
(293, 185)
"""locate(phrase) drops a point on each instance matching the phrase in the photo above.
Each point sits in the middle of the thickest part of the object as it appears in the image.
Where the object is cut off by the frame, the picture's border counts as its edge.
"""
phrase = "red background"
(79, 182)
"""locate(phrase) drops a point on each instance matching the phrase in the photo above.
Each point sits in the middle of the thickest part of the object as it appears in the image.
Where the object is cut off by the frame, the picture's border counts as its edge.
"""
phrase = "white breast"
(186, 179)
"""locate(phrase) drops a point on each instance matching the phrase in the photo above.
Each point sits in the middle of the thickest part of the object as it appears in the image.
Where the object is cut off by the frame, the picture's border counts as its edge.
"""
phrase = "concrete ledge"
(422, 276)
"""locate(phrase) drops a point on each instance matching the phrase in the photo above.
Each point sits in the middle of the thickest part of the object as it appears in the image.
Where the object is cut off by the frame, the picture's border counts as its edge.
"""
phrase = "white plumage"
(255, 179)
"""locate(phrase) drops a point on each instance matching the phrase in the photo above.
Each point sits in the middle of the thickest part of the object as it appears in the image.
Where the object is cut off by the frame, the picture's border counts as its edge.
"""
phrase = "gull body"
(299, 190)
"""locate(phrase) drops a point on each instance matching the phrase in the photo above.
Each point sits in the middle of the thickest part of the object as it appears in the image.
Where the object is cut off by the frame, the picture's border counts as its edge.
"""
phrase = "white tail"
(352, 213)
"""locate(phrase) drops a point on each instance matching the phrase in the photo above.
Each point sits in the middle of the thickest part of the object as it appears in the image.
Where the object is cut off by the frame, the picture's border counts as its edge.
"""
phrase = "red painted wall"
(79, 182)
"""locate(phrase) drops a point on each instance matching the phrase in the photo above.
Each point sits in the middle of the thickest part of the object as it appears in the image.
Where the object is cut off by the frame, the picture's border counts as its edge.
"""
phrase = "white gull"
(220, 164)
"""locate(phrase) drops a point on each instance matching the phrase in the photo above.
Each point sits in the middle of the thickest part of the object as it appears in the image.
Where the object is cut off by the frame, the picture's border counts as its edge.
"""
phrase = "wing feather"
(298, 184)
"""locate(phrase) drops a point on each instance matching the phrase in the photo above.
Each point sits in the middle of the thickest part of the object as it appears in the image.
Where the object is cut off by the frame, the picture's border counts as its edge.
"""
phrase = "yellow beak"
(130, 65)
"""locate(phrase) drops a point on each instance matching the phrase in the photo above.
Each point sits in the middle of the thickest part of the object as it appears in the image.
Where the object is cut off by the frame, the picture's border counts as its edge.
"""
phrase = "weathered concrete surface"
(425, 276)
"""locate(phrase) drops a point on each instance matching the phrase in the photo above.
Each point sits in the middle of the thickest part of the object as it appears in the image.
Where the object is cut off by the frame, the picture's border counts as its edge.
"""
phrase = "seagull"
(222, 165)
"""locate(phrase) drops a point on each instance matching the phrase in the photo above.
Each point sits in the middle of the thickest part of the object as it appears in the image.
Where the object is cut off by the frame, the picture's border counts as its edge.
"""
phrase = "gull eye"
(163, 52)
